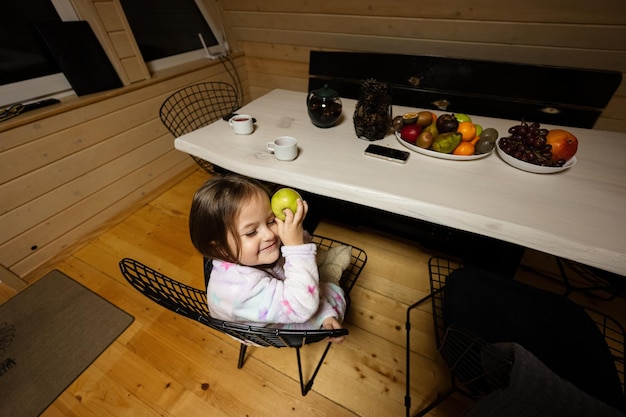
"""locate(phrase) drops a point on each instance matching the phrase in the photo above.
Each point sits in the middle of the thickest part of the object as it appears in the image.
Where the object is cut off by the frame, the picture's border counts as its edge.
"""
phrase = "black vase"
(373, 112)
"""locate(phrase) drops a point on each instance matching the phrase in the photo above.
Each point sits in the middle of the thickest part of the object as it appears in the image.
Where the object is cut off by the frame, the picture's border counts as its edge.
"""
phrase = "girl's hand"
(291, 230)
(332, 323)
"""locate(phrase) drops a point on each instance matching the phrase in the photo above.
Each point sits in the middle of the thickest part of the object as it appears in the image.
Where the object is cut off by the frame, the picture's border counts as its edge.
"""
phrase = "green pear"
(446, 142)
(432, 128)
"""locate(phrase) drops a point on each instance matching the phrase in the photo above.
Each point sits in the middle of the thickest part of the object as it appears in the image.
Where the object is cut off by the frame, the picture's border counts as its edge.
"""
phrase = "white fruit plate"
(439, 154)
(526, 166)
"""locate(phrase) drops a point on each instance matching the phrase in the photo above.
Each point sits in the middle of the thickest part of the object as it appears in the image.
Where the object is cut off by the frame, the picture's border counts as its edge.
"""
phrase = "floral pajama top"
(289, 295)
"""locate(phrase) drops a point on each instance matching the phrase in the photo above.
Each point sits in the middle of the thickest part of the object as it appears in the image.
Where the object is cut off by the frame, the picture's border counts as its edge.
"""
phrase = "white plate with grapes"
(529, 167)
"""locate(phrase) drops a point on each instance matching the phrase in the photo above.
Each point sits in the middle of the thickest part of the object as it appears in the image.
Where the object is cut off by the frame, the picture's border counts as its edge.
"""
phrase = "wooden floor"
(165, 365)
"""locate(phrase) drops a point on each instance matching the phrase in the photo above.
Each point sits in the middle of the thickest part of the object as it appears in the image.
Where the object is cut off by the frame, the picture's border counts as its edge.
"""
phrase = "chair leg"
(407, 397)
(305, 388)
(242, 355)
(440, 398)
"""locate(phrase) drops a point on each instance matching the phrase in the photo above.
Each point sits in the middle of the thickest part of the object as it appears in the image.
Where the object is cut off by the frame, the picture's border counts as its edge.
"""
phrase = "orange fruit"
(468, 130)
(564, 144)
(464, 149)
(476, 139)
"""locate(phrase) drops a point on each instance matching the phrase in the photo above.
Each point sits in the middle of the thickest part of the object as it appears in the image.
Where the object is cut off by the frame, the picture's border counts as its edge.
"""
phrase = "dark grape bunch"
(527, 142)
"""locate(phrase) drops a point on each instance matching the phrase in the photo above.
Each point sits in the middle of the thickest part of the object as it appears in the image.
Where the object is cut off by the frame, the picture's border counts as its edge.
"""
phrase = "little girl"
(261, 270)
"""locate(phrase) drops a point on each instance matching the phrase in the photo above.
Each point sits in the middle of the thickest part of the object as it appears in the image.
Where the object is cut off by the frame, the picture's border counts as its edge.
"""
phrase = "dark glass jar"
(324, 107)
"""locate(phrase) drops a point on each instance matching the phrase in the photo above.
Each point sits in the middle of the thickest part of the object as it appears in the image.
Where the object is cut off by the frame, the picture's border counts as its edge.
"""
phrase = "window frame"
(57, 85)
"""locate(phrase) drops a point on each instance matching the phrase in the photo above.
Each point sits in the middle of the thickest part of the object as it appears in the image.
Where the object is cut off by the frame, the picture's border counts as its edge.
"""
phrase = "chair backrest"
(192, 302)
(357, 262)
(198, 105)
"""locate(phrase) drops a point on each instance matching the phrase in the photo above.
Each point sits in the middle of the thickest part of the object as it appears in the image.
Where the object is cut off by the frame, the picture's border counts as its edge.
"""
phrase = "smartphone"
(390, 154)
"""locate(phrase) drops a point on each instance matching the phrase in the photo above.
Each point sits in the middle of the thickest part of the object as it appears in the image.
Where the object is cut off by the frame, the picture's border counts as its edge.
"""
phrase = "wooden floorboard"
(166, 365)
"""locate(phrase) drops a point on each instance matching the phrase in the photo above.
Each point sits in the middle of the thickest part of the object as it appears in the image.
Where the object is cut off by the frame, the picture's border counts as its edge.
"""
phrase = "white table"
(578, 214)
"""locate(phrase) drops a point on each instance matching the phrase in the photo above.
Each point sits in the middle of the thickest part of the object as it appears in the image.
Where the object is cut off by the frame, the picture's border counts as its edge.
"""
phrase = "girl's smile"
(258, 233)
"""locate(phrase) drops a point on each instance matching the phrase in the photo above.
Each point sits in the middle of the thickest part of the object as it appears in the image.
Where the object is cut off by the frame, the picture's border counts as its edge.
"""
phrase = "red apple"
(564, 144)
(285, 198)
(410, 132)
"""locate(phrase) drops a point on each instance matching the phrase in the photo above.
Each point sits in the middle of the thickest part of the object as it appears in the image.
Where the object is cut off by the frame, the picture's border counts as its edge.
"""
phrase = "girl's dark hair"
(214, 208)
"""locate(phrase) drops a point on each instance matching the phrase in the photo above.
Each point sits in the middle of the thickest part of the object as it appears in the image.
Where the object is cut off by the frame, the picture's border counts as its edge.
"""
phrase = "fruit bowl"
(440, 155)
(527, 166)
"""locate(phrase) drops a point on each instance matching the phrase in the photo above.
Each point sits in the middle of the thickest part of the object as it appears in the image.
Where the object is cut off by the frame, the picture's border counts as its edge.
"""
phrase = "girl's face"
(258, 233)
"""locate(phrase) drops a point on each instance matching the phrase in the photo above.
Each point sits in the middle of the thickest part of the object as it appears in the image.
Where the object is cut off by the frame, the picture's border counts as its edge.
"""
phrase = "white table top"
(577, 214)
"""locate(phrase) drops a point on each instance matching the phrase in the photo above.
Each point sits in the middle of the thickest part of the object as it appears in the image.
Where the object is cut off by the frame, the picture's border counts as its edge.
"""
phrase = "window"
(167, 32)
(27, 70)
(172, 31)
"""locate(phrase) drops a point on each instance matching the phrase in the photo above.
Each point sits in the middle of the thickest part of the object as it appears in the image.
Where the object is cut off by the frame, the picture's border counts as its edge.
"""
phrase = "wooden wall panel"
(72, 140)
(122, 46)
(81, 180)
(289, 75)
(96, 201)
(562, 11)
(111, 15)
(403, 28)
(133, 68)
(560, 33)
(156, 176)
(614, 60)
(68, 171)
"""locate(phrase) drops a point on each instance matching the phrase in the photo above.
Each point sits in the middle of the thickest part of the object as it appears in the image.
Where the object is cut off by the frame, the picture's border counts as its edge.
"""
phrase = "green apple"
(282, 199)
(462, 117)
(479, 129)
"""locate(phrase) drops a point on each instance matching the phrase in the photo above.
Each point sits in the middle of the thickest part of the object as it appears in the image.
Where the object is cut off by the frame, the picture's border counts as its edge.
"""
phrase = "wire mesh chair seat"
(476, 367)
(196, 106)
(192, 303)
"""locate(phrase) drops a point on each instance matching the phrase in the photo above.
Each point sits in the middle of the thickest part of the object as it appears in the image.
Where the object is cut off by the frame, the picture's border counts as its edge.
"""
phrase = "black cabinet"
(545, 94)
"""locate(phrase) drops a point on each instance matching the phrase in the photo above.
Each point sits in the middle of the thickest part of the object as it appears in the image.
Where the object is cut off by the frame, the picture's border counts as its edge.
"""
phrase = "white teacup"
(284, 148)
(242, 124)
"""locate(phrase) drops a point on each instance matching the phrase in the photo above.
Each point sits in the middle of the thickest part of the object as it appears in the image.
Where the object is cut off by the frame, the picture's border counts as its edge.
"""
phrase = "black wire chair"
(592, 281)
(476, 367)
(589, 280)
(196, 106)
(191, 302)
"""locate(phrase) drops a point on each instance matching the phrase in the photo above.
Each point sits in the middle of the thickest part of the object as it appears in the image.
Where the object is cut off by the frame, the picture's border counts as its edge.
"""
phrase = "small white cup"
(284, 148)
(242, 124)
